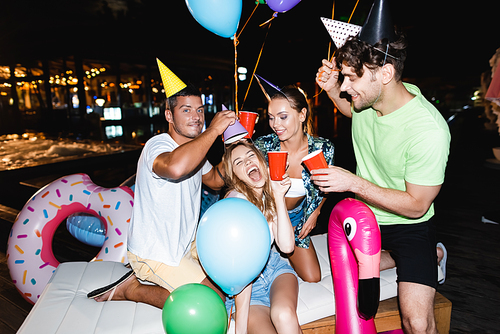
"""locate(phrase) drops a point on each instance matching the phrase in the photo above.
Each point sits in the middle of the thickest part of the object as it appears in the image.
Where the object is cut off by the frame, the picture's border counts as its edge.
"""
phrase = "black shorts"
(413, 248)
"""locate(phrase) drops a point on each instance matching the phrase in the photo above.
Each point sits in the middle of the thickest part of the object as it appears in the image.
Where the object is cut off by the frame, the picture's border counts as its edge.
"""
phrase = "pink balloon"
(282, 6)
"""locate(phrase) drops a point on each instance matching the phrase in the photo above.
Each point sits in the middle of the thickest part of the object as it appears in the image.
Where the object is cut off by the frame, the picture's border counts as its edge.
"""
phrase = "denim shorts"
(261, 288)
(297, 219)
(297, 214)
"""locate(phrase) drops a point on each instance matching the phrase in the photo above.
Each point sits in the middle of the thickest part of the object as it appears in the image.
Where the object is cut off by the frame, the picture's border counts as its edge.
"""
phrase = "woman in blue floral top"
(289, 117)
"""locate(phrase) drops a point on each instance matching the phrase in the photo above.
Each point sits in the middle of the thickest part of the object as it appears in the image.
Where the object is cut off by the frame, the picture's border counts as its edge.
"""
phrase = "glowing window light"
(112, 113)
(100, 101)
(210, 100)
(75, 101)
(113, 131)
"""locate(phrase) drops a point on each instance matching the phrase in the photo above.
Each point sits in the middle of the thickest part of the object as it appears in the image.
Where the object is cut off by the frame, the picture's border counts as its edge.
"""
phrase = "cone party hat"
(339, 31)
(268, 88)
(171, 83)
(378, 24)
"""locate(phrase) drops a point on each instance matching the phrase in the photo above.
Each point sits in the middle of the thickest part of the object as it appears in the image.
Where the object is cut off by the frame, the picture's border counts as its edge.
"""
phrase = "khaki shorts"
(188, 271)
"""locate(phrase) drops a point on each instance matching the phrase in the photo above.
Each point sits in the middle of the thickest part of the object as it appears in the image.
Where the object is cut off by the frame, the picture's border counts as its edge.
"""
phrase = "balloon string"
(235, 42)
(356, 5)
(348, 21)
(269, 21)
(243, 28)
(333, 15)
(230, 315)
(329, 46)
(256, 64)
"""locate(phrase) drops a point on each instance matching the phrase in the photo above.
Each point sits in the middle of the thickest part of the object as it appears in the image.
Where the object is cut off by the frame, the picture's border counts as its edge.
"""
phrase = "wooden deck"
(387, 318)
(471, 189)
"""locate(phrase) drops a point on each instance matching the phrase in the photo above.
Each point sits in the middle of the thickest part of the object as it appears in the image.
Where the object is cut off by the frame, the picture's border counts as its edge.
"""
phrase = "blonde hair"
(265, 203)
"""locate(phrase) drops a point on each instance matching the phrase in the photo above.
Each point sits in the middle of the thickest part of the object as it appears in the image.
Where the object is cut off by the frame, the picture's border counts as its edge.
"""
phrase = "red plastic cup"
(277, 164)
(248, 119)
(315, 160)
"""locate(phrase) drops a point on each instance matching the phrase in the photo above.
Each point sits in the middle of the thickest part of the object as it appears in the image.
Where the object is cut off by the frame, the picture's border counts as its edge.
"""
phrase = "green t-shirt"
(410, 144)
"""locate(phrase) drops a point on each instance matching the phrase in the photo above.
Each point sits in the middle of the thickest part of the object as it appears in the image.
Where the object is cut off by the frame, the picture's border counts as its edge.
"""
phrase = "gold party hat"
(171, 83)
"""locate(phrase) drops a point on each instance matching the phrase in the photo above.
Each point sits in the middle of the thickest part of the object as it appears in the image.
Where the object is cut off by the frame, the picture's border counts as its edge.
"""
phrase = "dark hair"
(356, 53)
(298, 100)
(189, 90)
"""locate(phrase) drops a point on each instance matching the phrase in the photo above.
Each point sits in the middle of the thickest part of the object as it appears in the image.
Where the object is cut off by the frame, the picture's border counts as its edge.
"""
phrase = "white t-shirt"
(165, 214)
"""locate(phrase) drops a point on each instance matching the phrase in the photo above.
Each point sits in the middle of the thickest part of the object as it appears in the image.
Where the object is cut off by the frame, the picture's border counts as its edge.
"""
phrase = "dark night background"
(449, 40)
(450, 45)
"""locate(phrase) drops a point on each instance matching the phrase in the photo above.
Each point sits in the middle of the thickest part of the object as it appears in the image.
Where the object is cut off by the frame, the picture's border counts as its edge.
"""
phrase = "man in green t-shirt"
(401, 143)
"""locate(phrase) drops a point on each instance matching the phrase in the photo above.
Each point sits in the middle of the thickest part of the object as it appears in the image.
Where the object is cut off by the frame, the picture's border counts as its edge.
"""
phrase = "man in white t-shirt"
(169, 176)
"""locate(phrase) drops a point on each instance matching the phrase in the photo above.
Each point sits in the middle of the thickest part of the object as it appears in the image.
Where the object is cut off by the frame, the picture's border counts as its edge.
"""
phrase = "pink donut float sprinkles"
(30, 258)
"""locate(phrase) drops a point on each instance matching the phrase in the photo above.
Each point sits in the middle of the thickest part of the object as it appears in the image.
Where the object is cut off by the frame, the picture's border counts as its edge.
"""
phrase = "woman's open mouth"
(254, 174)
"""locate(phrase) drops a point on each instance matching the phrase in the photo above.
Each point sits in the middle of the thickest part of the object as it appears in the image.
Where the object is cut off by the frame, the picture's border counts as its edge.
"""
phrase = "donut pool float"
(88, 228)
(30, 258)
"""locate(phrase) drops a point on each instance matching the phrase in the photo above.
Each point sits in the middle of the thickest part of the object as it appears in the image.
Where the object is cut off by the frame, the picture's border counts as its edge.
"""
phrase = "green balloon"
(194, 309)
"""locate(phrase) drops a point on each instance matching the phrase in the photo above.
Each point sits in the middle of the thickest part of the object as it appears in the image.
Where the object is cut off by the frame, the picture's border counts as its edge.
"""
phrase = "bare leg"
(387, 262)
(154, 295)
(133, 290)
(282, 316)
(284, 292)
(306, 264)
(416, 302)
(214, 287)
(259, 320)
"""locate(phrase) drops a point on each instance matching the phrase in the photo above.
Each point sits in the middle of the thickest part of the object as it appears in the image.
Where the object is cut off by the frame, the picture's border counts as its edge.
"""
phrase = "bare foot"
(120, 291)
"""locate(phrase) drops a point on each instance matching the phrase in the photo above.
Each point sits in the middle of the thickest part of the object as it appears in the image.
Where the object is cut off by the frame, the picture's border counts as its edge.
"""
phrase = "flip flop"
(99, 292)
(442, 263)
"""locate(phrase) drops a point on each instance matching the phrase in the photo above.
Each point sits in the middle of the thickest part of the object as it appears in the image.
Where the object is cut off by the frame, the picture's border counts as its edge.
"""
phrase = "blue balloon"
(219, 16)
(86, 228)
(233, 242)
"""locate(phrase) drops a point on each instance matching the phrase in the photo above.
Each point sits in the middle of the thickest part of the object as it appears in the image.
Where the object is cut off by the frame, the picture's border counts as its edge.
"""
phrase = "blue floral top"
(271, 142)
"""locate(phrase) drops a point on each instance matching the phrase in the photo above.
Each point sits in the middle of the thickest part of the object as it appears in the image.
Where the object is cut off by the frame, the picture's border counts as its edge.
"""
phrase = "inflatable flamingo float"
(354, 246)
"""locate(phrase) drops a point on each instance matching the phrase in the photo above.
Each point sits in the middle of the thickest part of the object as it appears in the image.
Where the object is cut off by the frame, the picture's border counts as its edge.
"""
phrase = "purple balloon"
(282, 6)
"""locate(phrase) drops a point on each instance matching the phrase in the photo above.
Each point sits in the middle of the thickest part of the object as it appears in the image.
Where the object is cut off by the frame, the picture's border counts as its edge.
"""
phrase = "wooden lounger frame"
(387, 318)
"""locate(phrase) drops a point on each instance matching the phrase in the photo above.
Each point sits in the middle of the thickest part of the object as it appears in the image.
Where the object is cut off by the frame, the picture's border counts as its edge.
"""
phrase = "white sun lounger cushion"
(63, 307)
